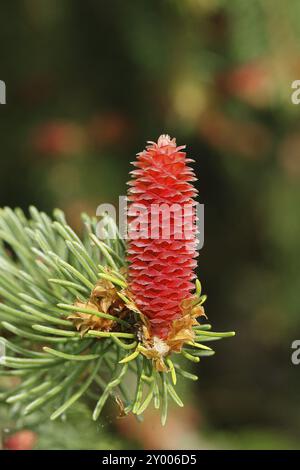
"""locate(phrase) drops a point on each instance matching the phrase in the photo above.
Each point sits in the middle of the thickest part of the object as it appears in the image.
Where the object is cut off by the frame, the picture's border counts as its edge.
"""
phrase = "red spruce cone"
(161, 265)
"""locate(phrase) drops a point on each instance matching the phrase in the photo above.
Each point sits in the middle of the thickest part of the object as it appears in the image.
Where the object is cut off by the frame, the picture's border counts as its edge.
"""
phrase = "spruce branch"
(59, 343)
(70, 320)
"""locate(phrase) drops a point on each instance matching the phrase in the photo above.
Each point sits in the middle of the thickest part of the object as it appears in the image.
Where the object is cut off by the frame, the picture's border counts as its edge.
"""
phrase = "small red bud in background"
(21, 440)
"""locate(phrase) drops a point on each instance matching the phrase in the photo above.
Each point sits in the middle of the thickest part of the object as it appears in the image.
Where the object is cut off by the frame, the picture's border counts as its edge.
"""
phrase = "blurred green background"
(88, 83)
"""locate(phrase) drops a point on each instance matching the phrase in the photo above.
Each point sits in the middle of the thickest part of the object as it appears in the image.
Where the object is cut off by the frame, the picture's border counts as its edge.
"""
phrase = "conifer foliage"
(74, 329)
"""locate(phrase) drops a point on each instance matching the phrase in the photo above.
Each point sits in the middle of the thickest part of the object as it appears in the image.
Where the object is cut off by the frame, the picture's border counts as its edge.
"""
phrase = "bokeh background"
(87, 84)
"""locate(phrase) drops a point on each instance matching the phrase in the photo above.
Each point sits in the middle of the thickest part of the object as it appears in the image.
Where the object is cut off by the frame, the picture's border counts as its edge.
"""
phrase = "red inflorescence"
(162, 243)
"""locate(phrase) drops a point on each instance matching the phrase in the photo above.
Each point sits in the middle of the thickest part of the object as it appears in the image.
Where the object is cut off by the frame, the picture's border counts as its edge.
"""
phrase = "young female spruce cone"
(162, 243)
